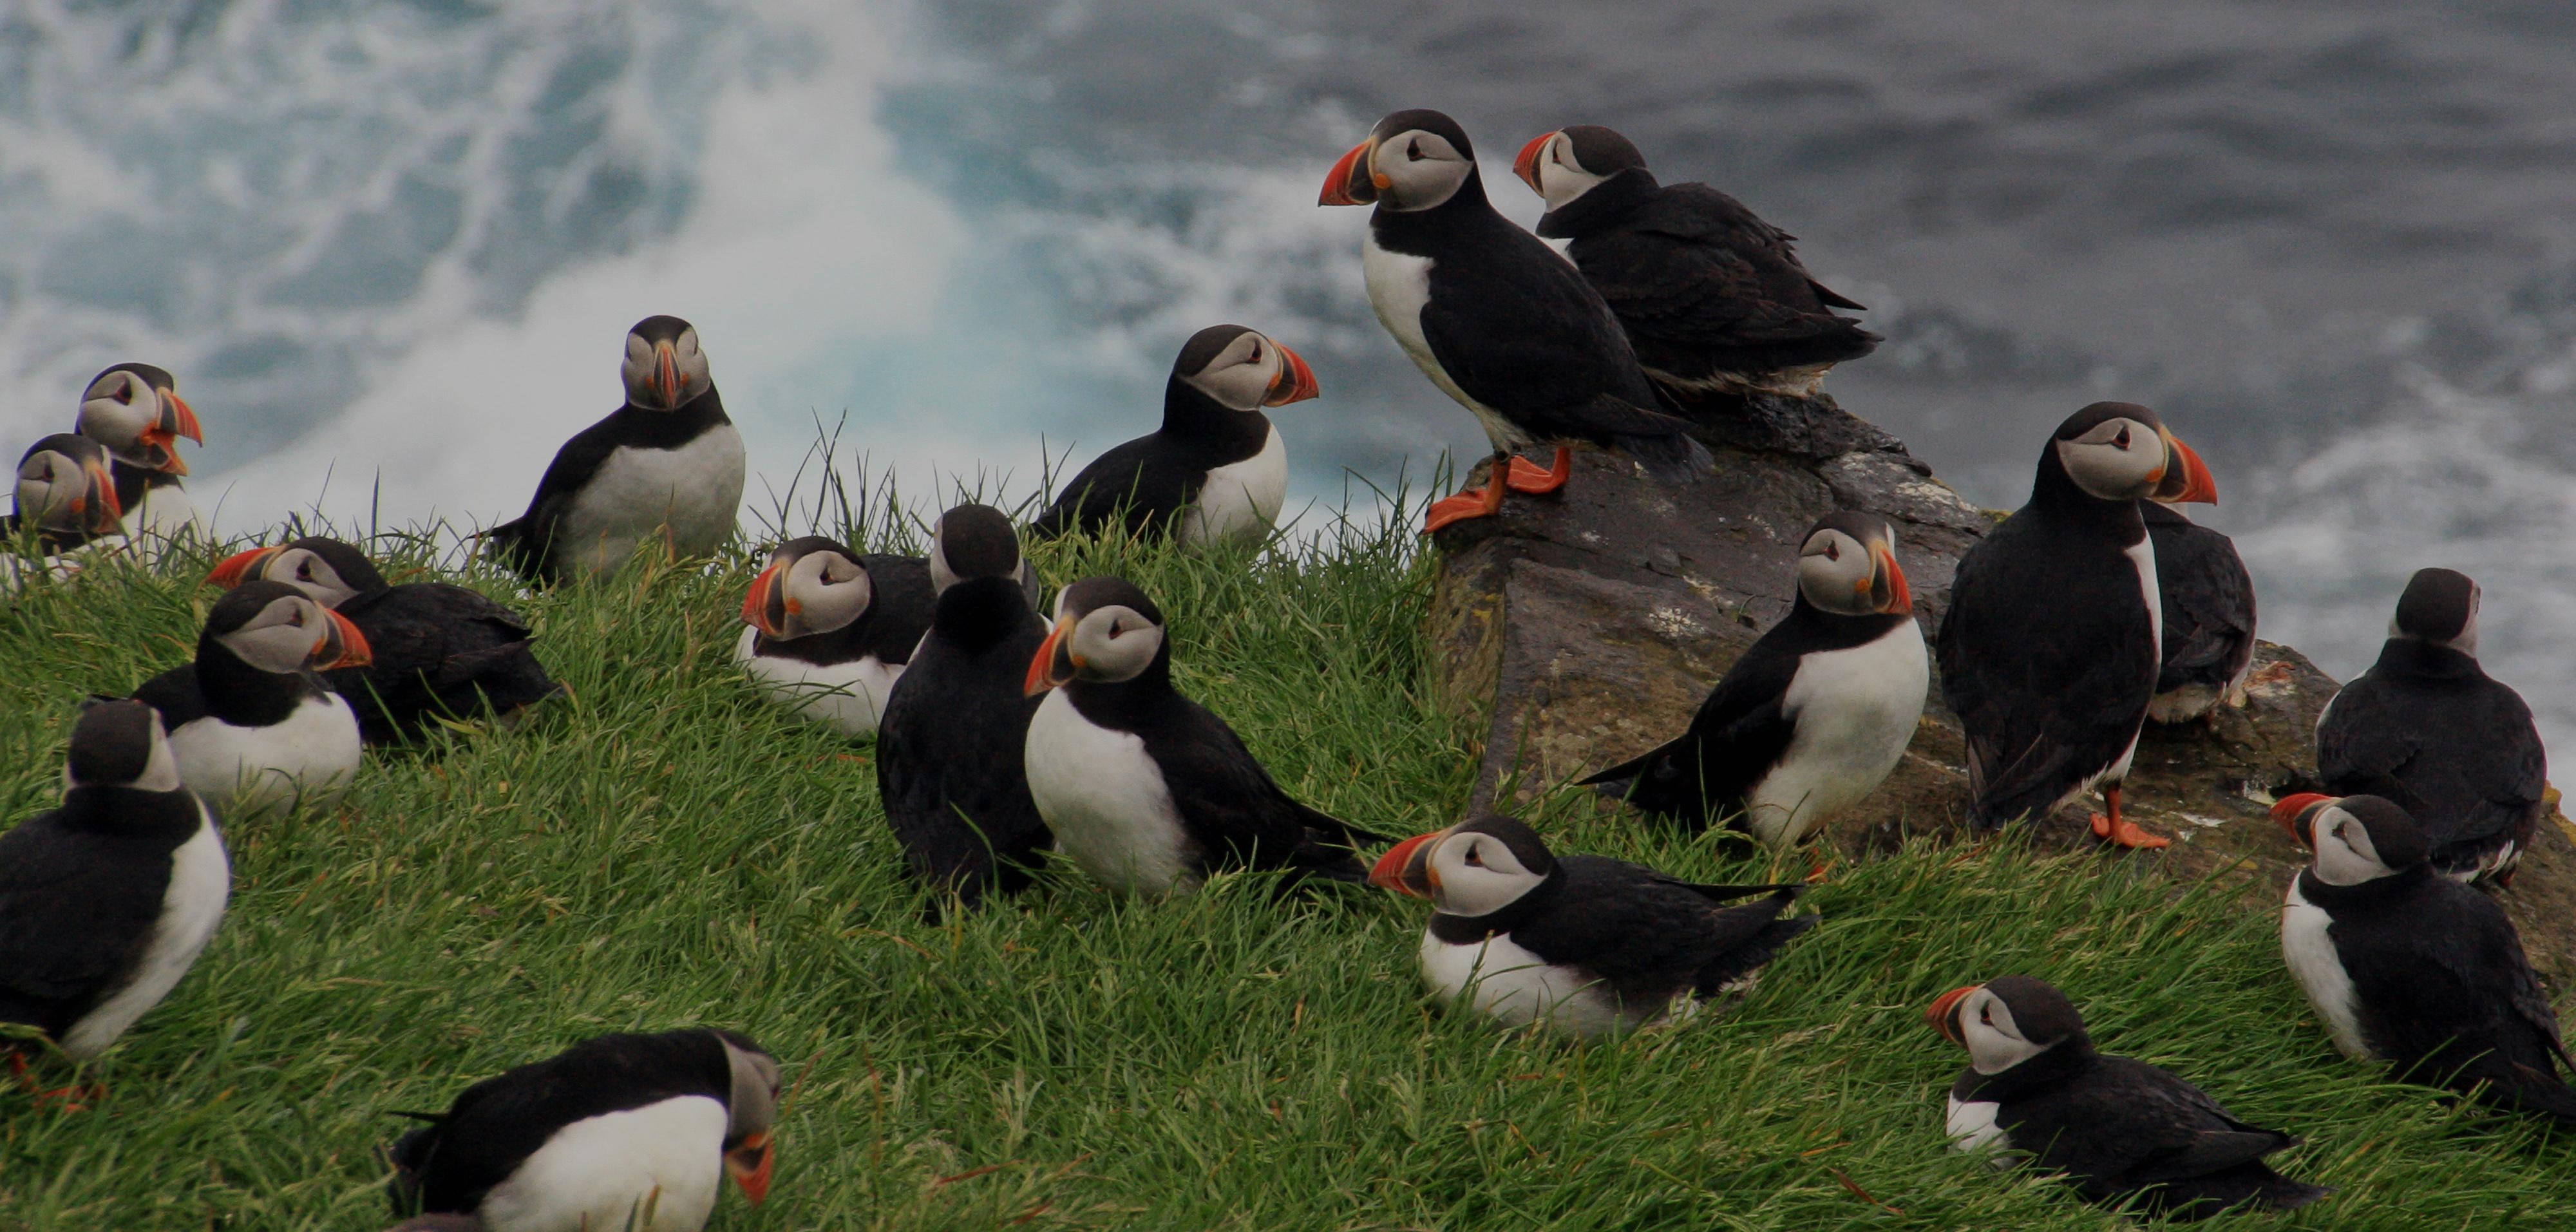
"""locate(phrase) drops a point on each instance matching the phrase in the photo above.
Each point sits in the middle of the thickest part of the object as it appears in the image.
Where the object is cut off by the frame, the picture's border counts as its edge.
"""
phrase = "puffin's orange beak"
(240, 567)
(666, 373)
(1943, 1016)
(1526, 166)
(353, 645)
(1295, 382)
(755, 604)
(1051, 669)
(180, 419)
(1900, 597)
(2292, 809)
(2186, 480)
(1349, 182)
(749, 1165)
(1406, 867)
(102, 482)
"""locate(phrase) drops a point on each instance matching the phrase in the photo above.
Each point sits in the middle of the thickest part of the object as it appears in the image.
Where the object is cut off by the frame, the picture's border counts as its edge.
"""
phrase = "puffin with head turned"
(1583, 944)
(1714, 299)
(65, 506)
(2050, 652)
(2208, 617)
(1815, 714)
(251, 724)
(2412, 968)
(665, 468)
(830, 629)
(2428, 728)
(136, 412)
(1216, 470)
(1496, 318)
(2123, 1132)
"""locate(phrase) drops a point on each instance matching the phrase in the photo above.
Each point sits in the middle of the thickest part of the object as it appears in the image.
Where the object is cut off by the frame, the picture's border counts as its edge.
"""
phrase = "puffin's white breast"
(1240, 500)
(847, 697)
(1399, 285)
(605, 1172)
(312, 754)
(1516, 987)
(1856, 710)
(165, 515)
(201, 883)
(694, 490)
(1972, 1127)
(1105, 799)
(2309, 950)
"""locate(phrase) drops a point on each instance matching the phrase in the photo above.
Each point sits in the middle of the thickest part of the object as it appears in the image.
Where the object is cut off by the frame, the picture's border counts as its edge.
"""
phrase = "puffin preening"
(1713, 298)
(1583, 944)
(1496, 318)
(831, 629)
(667, 466)
(1813, 716)
(2123, 1132)
(136, 412)
(252, 726)
(2053, 642)
(1216, 470)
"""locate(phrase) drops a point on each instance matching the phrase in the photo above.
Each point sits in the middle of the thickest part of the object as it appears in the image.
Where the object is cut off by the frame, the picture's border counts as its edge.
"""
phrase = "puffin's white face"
(2345, 856)
(1995, 1043)
(1253, 372)
(1559, 176)
(1111, 644)
(305, 570)
(2119, 459)
(1476, 874)
(1840, 574)
(824, 591)
(1417, 170)
(665, 376)
(137, 422)
(56, 492)
(288, 635)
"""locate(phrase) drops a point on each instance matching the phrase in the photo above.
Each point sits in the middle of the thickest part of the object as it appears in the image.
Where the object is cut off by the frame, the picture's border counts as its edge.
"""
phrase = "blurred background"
(391, 248)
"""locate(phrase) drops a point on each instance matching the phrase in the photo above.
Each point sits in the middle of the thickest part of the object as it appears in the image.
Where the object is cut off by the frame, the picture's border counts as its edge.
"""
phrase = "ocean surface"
(391, 248)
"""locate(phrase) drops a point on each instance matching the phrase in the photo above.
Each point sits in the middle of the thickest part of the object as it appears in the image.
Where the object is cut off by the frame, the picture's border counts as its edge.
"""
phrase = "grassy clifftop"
(665, 849)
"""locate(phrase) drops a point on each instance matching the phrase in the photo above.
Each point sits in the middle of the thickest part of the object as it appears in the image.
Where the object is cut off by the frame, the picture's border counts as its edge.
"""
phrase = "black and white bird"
(1815, 714)
(136, 412)
(665, 468)
(64, 510)
(252, 725)
(1714, 299)
(2208, 600)
(435, 650)
(1585, 944)
(949, 747)
(2412, 968)
(1217, 469)
(1145, 790)
(106, 901)
(1495, 317)
(2123, 1132)
(2428, 728)
(2050, 651)
(829, 629)
(629, 1132)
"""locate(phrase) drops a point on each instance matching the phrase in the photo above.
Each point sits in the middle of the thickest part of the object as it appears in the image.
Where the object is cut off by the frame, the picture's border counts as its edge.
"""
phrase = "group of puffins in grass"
(1002, 735)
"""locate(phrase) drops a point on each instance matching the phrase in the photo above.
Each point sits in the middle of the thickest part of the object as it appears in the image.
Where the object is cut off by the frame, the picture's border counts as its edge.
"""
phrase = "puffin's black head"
(751, 1112)
(2440, 606)
(1242, 369)
(2006, 1021)
(1848, 566)
(812, 585)
(136, 411)
(277, 628)
(1474, 868)
(327, 570)
(1567, 163)
(665, 370)
(2120, 451)
(1412, 160)
(2354, 838)
(64, 485)
(976, 541)
(1106, 630)
(119, 743)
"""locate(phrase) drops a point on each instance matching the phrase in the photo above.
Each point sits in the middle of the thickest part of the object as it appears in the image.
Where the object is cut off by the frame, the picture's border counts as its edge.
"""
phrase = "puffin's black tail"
(507, 676)
(1675, 459)
(513, 544)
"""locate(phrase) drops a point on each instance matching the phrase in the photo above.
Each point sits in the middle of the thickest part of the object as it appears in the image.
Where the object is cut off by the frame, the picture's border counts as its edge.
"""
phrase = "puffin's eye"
(1475, 859)
(1256, 352)
(1986, 1015)
(1833, 550)
(304, 572)
(1413, 150)
(2122, 440)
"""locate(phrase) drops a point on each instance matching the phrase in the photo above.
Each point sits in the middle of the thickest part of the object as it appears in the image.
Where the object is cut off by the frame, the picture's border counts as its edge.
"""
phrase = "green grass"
(666, 849)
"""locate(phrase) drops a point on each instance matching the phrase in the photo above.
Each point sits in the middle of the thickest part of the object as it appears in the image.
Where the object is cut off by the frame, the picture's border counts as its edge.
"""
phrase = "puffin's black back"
(437, 650)
(526, 544)
(900, 605)
(2208, 601)
(1649, 936)
(2427, 728)
(1145, 483)
(953, 741)
(81, 890)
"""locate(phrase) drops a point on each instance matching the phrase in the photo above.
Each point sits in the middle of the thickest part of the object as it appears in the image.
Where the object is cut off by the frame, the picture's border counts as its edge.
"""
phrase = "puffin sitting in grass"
(831, 629)
(252, 726)
(65, 508)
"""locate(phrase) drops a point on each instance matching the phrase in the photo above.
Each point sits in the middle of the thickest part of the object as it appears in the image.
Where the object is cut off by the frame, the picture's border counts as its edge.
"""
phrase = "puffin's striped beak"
(179, 419)
(666, 373)
(749, 1163)
(2293, 813)
(241, 567)
(1526, 166)
(2186, 479)
(1350, 182)
(1944, 1014)
(341, 645)
(1406, 867)
(1055, 663)
(102, 489)
(756, 604)
(1896, 596)
(1295, 382)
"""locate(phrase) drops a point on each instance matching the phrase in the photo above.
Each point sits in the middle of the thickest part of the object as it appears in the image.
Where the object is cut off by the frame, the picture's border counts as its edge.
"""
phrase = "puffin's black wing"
(2208, 602)
(1703, 284)
(73, 906)
(1734, 739)
(1649, 935)
(175, 694)
(1236, 811)
(901, 611)
(2448, 995)
(2129, 1126)
(1133, 484)
(526, 543)
(2367, 744)
(951, 751)
(494, 1125)
(438, 649)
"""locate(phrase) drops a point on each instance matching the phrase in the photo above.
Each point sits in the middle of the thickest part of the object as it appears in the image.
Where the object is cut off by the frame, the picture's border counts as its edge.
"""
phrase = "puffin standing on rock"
(2412, 968)
(623, 1132)
(1714, 299)
(2121, 1131)
(831, 629)
(2049, 654)
(2208, 617)
(667, 466)
(1216, 470)
(1812, 718)
(1496, 318)
(1584, 944)
(434, 649)
(2429, 729)
(136, 412)
(1145, 789)
(252, 726)
(64, 505)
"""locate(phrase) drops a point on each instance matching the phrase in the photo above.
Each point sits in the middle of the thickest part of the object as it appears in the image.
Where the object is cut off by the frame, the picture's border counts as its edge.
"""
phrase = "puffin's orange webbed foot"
(2120, 832)
(1525, 476)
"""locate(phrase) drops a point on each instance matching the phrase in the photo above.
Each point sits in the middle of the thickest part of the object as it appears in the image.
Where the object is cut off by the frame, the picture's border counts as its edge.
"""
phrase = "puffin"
(829, 629)
(1216, 470)
(1713, 298)
(1584, 944)
(106, 902)
(2413, 968)
(949, 744)
(136, 412)
(1147, 791)
(634, 1132)
(2208, 618)
(666, 467)
(252, 725)
(435, 650)
(65, 507)
(2124, 1133)
(1496, 318)
(2428, 728)
(2050, 652)
(1815, 714)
